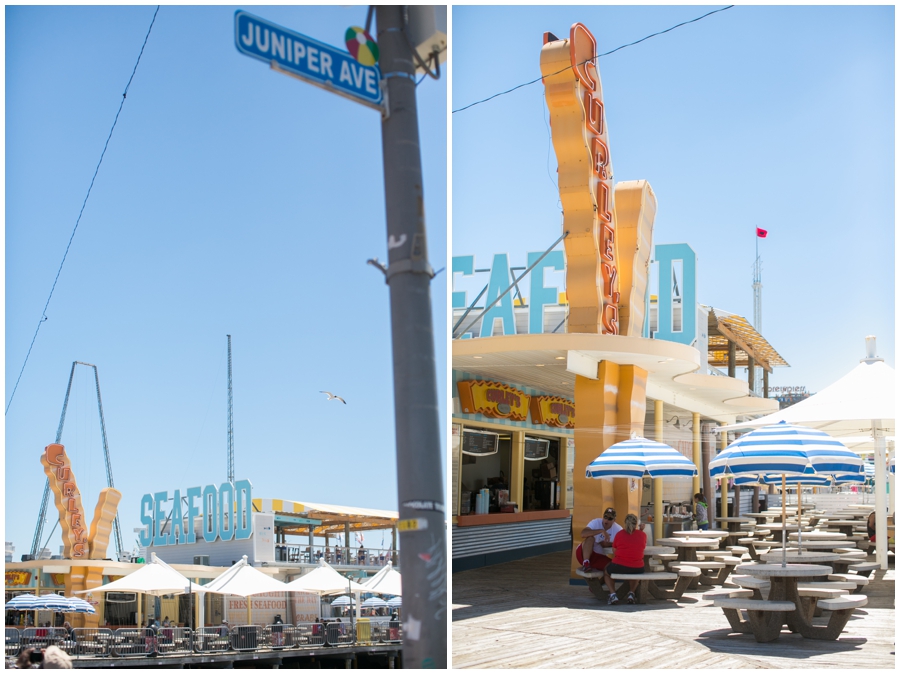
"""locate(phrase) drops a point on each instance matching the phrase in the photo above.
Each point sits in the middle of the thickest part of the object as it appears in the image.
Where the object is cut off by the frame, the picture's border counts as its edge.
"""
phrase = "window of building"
(541, 478)
(489, 471)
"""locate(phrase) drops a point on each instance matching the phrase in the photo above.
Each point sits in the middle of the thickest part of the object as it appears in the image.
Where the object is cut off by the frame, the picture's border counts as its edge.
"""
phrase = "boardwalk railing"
(131, 642)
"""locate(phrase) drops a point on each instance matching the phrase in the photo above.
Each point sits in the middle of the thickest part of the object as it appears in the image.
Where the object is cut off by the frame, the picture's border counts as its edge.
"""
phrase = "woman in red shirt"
(628, 557)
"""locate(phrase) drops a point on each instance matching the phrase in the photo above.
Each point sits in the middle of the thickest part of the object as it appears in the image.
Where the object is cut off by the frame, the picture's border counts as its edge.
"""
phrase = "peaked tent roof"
(243, 580)
(156, 578)
(846, 407)
(386, 581)
(325, 580)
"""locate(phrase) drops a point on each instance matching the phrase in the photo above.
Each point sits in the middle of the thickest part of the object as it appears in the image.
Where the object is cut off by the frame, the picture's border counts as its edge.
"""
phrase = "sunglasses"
(609, 517)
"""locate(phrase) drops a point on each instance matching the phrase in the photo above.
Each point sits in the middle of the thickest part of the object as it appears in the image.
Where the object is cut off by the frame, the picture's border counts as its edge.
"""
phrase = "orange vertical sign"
(578, 123)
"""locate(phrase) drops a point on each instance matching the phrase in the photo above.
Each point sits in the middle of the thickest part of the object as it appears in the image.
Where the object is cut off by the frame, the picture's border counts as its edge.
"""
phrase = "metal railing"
(13, 642)
(212, 639)
(144, 642)
(305, 554)
(41, 637)
(339, 634)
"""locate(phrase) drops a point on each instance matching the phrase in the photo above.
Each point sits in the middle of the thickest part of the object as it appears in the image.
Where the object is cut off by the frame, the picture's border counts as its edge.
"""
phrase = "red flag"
(761, 233)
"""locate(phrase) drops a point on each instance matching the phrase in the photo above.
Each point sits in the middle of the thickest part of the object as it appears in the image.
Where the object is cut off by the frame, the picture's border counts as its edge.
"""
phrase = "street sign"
(310, 60)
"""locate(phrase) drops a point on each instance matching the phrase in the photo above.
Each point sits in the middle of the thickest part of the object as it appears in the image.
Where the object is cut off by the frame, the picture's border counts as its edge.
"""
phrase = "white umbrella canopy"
(846, 407)
(325, 580)
(156, 578)
(244, 581)
(386, 581)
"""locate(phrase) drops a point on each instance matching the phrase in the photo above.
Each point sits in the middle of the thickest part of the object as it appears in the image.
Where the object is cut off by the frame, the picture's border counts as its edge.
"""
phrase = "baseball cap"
(609, 511)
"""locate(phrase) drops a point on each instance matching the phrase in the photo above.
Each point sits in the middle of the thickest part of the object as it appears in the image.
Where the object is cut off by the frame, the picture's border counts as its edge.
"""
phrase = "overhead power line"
(81, 212)
(630, 44)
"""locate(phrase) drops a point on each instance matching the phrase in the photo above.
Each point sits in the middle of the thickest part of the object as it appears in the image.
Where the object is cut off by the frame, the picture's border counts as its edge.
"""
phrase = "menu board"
(480, 443)
(536, 448)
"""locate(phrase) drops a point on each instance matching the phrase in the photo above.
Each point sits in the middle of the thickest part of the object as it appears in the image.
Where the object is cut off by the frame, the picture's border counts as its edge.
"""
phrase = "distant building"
(10, 551)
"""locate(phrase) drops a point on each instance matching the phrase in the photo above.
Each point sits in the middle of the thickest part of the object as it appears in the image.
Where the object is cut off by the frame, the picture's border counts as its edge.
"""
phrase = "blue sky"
(777, 117)
(232, 200)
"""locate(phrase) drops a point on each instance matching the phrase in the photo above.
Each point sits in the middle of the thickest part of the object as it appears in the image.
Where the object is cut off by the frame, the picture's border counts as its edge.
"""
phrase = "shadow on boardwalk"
(525, 614)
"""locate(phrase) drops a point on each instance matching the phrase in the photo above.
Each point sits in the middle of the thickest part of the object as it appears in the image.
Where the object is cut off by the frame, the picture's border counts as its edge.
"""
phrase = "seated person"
(628, 557)
(870, 527)
(599, 533)
(70, 631)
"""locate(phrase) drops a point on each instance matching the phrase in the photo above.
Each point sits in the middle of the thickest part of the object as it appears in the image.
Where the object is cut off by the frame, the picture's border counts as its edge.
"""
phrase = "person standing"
(628, 557)
(701, 514)
(598, 534)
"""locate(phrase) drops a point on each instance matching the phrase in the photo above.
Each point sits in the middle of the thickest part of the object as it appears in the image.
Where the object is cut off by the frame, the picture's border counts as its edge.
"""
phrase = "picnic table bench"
(647, 583)
(765, 618)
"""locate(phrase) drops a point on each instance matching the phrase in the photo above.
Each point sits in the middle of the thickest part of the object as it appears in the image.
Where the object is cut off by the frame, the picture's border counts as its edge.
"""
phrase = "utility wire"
(509, 91)
(96, 171)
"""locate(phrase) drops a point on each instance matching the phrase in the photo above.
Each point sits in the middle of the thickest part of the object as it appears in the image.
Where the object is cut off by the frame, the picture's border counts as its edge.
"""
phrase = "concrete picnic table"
(648, 579)
(686, 548)
(819, 536)
(783, 588)
(734, 523)
(649, 551)
(773, 556)
(844, 526)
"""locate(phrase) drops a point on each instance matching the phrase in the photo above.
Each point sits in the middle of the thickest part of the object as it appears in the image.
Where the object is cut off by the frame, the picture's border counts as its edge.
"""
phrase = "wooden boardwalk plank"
(524, 614)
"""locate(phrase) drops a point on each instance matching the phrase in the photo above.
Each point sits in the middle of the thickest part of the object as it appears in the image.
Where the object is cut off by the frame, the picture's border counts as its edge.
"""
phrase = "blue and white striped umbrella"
(22, 602)
(343, 600)
(639, 457)
(395, 602)
(869, 469)
(374, 602)
(784, 449)
(46, 602)
(805, 480)
(77, 605)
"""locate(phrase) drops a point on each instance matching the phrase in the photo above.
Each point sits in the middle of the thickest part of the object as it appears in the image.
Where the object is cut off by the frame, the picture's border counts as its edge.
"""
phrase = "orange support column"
(609, 409)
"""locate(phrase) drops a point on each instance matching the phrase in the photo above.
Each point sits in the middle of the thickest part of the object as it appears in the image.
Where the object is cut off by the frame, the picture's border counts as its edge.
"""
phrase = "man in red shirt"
(628, 557)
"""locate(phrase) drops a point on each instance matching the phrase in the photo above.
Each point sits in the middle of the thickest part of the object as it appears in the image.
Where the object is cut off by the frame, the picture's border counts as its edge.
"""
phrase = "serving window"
(541, 483)
(486, 463)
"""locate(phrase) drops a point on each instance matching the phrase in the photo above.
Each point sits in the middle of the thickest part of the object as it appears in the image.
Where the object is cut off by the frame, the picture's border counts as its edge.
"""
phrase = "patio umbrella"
(30, 602)
(77, 605)
(374, 602)
(244, 580)
(156, 578)
(860, 402)
(640, 457)
(783, 449)
(386, 581)
(343, 600)
(395, 602)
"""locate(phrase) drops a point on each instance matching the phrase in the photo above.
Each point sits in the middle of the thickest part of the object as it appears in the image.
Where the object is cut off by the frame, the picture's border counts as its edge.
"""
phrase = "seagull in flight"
(331, 396)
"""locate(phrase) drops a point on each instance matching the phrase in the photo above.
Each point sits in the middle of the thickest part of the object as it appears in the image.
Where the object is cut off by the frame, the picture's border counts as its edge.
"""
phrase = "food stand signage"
(553, 411)
(18, 578)
(493, 399)
(226, 510)
(577, 121)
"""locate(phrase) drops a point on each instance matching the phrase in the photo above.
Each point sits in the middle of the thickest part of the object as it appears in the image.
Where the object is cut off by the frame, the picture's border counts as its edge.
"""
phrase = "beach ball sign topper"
(361, 45)
(291, 53)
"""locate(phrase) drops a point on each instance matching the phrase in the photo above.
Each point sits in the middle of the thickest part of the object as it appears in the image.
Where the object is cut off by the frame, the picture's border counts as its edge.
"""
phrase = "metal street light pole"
(420, 490)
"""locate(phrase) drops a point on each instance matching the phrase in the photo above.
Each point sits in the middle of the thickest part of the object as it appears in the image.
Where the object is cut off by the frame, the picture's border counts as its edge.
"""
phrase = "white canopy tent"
(156, 578)
(325, 580)
(386, 581)
(860, 403)
(244, 580)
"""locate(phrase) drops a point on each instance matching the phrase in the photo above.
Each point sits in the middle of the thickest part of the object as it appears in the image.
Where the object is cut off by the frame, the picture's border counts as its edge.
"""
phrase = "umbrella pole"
(800, 518)
(783, 521)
